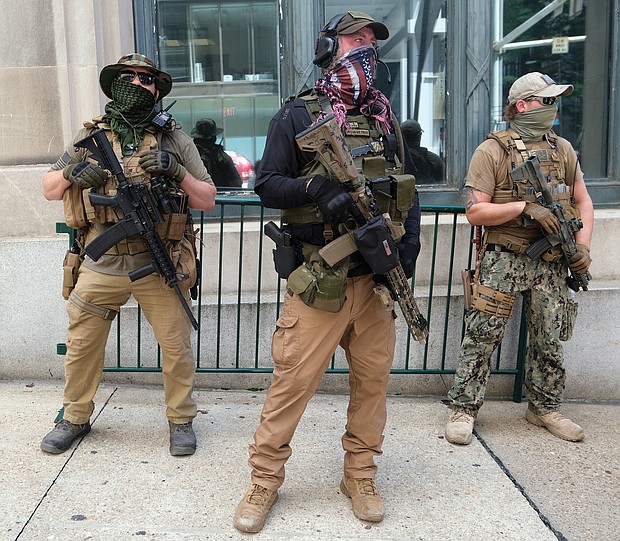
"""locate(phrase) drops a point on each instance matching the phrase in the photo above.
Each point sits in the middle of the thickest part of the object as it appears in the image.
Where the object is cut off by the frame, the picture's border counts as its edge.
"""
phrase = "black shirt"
(277, 184)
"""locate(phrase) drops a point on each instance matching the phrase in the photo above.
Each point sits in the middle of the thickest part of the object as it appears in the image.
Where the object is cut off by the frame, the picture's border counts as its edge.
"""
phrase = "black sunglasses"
(545, 101)
(129, 75)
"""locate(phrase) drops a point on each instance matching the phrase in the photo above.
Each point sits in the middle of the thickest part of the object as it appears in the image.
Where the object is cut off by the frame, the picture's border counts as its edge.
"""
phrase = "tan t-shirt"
(490, 167)
(177, 143)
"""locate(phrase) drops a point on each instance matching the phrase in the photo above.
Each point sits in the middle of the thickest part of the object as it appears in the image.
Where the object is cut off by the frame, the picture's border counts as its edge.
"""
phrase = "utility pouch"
(376, 245)
(467, 277)
(70, 267)
(183, 257)
(569, 319)
(285, 260)
(319, 285)
(73, 206)
(394, 194)
(490, 301)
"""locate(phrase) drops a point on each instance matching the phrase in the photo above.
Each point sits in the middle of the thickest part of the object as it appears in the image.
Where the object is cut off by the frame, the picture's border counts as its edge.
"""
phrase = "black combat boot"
(64, 434)
(182, 439)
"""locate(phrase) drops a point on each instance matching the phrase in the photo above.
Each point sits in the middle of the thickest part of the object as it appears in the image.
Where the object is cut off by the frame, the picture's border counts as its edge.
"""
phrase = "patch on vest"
(543, 155)
(357, 132)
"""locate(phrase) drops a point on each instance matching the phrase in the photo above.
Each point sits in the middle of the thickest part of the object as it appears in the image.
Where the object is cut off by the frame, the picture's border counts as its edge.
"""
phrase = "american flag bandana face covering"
(353, 74)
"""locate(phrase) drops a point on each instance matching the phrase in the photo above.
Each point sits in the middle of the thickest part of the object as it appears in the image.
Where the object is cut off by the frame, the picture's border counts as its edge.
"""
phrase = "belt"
(498, 248)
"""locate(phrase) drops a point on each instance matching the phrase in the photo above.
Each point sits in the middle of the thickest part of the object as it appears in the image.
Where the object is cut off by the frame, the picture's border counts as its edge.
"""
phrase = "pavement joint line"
(559, 535)
(51, 485)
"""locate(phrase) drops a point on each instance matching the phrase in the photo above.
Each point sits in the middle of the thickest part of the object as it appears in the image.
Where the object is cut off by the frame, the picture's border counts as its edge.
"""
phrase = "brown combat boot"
(252, 510)
(365, 497)
(557, 424)
(460, 427)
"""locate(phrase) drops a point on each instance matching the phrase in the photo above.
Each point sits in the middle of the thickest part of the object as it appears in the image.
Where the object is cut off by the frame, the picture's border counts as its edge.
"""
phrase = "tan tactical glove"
(85, 174)
(159, 162)
(543, 216)
(580, 262)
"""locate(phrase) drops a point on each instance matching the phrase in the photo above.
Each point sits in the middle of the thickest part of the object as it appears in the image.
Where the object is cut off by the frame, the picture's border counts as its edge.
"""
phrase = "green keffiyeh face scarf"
(130, 112)
(533, 124)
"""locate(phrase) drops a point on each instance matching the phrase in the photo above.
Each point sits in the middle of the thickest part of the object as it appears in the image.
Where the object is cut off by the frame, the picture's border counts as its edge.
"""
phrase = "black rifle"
(143, 209)
(565, 239)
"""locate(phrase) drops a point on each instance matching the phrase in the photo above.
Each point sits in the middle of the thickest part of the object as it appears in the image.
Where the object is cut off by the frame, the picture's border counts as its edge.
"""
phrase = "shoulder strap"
(510, 140)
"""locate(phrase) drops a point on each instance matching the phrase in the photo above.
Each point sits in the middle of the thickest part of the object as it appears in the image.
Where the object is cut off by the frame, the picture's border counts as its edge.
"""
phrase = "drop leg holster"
(104, 312)
(483, 298)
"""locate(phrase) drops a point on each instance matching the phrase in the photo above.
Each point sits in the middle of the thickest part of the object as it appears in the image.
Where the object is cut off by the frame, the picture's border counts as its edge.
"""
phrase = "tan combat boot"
(460, 427)
(365, 497)
(557, 424)
(252, 510)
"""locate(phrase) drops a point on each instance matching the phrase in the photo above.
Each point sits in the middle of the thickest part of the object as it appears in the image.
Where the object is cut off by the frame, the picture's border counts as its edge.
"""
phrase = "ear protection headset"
(327, 42)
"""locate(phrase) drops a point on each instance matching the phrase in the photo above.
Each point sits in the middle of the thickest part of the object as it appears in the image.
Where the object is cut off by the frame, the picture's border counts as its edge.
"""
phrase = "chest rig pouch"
(176, 230)
(518, 233)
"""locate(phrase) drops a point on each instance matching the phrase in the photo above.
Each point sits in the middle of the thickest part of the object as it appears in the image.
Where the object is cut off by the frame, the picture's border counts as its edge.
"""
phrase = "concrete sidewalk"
(514, 482)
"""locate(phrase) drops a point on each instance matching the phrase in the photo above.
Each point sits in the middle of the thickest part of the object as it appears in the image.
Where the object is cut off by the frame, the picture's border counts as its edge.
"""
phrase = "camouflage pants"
(545, 293)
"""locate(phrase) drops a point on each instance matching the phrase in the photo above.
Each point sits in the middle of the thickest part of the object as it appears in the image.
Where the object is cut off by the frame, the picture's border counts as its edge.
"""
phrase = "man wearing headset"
(344, 310)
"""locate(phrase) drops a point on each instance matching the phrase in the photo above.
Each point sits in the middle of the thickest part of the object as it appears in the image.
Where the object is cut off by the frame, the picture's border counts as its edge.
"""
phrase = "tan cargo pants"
(302, 347)
(87, 335)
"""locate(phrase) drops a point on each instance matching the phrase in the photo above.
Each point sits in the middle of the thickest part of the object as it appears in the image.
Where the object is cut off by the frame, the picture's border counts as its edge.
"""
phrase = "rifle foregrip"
(102, 199)
(142, 272)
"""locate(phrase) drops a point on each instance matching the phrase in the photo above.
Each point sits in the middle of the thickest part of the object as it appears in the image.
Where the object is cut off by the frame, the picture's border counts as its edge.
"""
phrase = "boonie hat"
(163, 80)
(206, 127)
(536, 84)
(356, 20)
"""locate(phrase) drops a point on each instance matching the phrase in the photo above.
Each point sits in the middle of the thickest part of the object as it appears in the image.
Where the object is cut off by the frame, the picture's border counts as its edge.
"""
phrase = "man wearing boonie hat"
(513, 220)
(96, 290)
(326, 307)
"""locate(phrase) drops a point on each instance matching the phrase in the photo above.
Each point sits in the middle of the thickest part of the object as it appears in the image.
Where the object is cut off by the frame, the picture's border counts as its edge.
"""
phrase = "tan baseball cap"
(352, 21)
(536, 84)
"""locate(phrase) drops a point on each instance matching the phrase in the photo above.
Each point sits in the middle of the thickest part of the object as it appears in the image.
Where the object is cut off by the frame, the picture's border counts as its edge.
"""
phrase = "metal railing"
(240, 298)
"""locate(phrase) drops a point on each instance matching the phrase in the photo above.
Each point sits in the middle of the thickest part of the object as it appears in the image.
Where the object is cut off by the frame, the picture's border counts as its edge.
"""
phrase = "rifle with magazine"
(143, 209)
(565, 239)
(375, 232)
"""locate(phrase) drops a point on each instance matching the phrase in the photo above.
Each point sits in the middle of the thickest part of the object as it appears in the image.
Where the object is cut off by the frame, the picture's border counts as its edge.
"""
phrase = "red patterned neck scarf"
(349, 82)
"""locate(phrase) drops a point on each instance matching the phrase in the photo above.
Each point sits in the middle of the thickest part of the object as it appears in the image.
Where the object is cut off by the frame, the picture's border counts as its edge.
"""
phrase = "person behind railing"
(97, 289)
(513, 220)
(219, 164)
(329, 306)
(429, 166)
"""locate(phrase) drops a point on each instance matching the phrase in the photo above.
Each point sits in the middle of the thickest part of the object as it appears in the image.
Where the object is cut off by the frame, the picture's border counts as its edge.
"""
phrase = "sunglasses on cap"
(545, 101)
(129, 75)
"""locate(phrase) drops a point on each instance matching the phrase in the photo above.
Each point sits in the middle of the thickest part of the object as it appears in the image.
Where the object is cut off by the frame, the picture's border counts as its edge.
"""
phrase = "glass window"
(553, 42)
(223, 56)
(229, 40)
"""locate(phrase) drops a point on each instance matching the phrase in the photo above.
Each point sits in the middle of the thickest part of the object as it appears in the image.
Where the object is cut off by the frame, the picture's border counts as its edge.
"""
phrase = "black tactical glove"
(333, 202)
(85, 174)
(159, 162)
(543, 216)
(408, 250)
(580, 262)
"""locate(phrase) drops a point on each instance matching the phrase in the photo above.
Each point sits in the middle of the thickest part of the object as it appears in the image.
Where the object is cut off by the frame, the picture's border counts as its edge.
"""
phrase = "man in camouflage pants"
(512, 221)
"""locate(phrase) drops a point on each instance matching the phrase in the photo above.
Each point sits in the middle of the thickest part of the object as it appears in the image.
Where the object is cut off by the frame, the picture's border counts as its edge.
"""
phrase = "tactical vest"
(519, 232)
(372, 160)
(91, 220)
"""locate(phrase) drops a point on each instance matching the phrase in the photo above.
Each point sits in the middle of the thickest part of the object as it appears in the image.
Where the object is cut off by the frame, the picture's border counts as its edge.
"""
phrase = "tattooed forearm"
(471, 198)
